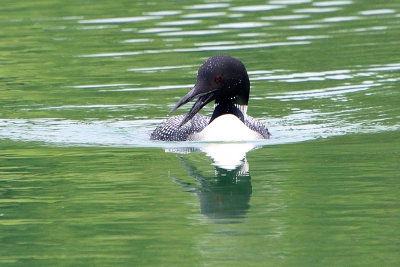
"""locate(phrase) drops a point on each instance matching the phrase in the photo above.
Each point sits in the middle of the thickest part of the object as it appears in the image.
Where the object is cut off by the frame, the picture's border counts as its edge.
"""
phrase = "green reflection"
(327, 70)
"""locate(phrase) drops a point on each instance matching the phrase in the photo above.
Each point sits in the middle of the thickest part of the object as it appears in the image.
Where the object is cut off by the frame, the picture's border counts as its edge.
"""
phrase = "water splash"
(302, 125)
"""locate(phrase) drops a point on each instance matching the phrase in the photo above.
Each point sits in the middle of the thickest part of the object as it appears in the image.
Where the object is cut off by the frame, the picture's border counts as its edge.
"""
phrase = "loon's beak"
(204, 97)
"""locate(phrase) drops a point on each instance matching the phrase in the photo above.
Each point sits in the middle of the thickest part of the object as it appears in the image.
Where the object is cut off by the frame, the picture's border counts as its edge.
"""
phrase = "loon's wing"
(169, 130)
(256, 126)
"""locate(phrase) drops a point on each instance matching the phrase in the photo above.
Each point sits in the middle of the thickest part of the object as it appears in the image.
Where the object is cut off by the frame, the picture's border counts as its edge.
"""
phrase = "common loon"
(225, 80)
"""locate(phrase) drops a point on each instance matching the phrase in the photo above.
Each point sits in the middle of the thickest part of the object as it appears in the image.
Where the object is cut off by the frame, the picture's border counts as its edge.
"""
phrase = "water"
(83, 84)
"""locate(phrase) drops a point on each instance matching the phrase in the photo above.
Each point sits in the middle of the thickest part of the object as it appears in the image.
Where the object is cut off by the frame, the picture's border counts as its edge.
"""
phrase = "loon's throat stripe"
(242, 108)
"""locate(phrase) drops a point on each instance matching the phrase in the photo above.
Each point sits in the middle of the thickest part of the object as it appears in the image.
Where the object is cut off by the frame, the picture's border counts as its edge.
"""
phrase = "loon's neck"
(229, 108)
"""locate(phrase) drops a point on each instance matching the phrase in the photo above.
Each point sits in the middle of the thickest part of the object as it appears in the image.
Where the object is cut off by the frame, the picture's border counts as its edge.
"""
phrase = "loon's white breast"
(227, 127)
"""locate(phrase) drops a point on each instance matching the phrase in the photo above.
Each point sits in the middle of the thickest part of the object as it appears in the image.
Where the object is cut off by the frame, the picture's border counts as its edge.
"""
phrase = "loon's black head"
(221, 78)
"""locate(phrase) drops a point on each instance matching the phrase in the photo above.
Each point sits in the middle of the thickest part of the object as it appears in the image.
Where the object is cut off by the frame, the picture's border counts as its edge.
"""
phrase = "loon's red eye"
(217, 79)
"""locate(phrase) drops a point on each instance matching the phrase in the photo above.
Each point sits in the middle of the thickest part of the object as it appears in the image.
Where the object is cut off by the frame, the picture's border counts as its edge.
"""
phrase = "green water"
(83, 84)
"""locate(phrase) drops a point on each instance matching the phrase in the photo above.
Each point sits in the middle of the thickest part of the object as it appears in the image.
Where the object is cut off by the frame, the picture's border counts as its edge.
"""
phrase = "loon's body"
(225, 80)
(225, 127)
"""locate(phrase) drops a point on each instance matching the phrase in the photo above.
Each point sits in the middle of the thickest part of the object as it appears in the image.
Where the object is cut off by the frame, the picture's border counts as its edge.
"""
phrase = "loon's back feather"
(169, 130)
(256, 126)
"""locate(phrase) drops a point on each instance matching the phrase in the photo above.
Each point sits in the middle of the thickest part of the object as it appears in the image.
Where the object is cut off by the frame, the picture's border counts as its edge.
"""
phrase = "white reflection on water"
(228, 156)
(215, 43)
(316, 10)
(119, 20)
(387, 67)
(207, 6)
(289, 2)
(133, 41)
(332, 3)
(285, 17)
(323, 93)
(97, 27)
(256, 8)
(156, 69)
(156, 88)
(300, 126)
(241, 25)
(163, 13)
(307, 26)
(179, 22)
(196, 49)
(368, 71)
(377, 12)
(239, 46)
(71, 107)
(307, 37)
(189, 33)
(303, 76)
(89, 86)
(159, 30)
(204, 15)
(341, 19)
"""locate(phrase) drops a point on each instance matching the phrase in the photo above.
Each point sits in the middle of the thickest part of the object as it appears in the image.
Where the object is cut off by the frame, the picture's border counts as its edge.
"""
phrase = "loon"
(225, 80)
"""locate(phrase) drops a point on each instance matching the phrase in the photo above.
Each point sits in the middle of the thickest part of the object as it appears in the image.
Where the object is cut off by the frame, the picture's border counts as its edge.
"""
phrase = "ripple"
(90, 86)
(204, 15)
(196, 49)
(73, 132)
(316, 10)
(156, 88)
(368, 29)
(240, 25)
(215, 43)
(374, 28)
(387, 67)
(190, 33)
(256, 8)
(241, 46)
(156, 69)
(305, 125)
(179, 22)
(119, 20)
(113, 54)
(300, 126)
(286, 17)
(164, 13)
(251, 34)
(332, 3)
(259, 72)
(72, 18)
(304, 76)
(159, 30)
(289, 2)
(341, 19)
(68, 107)
(97, 27)
(377, 12)
(324, 93)
(307, 27)
(207, 6)
(142, 40)
(307, 37)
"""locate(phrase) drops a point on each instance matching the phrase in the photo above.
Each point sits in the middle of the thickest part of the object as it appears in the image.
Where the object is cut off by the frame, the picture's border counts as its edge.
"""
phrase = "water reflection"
(119, 20)
(225, 195)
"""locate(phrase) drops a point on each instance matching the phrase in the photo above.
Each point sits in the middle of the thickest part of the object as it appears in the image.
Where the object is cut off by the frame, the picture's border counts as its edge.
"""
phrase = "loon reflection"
(225, 195)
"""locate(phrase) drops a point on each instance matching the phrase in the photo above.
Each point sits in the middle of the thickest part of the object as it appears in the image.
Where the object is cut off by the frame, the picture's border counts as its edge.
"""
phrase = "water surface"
(83, 84)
